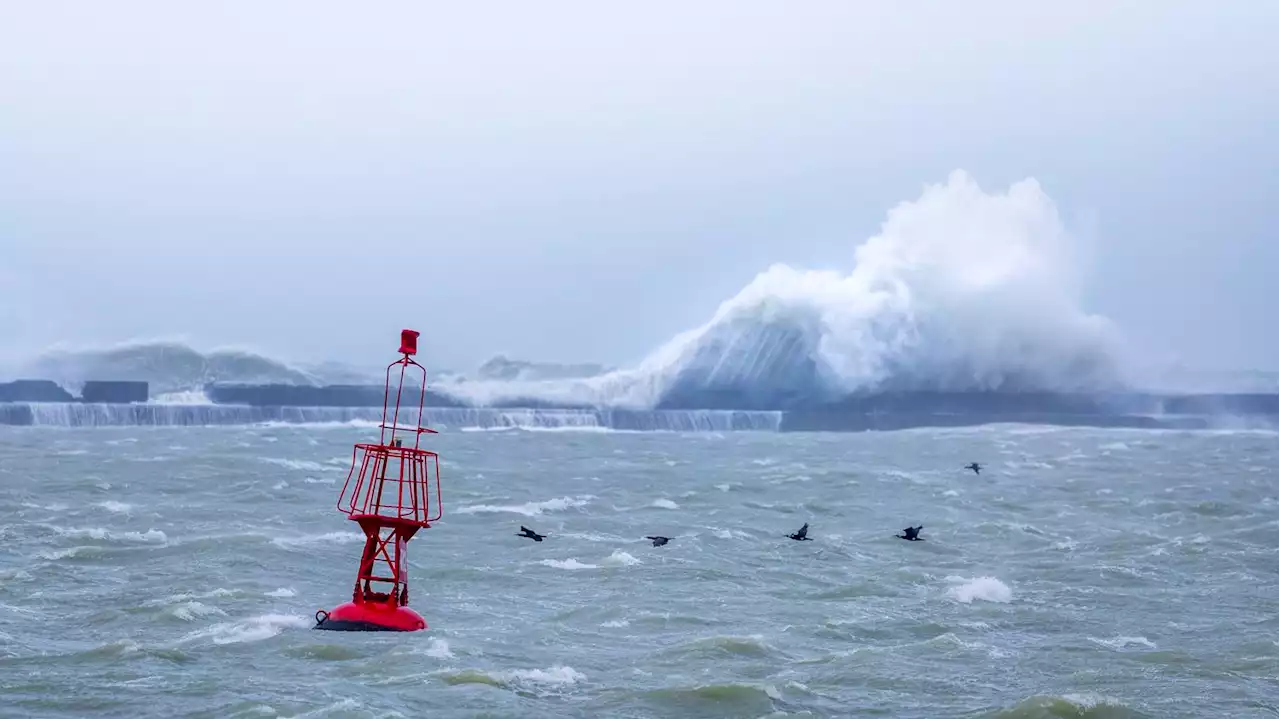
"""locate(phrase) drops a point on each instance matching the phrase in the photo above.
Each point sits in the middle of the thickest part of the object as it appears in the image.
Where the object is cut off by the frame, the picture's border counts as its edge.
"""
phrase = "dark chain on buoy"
(320, 621)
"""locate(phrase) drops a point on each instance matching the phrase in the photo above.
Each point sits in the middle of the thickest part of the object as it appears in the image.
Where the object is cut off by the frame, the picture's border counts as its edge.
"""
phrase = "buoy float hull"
(371, 617)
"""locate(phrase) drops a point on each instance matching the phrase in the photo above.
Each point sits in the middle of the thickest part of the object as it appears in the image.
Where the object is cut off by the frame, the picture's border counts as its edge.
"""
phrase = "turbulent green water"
(174, 572)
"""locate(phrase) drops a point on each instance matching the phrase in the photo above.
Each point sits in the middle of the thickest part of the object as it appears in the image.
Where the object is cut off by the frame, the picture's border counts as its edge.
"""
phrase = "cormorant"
(911, 534)
(530, 534)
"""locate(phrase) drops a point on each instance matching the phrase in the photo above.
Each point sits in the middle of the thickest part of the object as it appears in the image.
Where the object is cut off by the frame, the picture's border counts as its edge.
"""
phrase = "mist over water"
(1085, 573)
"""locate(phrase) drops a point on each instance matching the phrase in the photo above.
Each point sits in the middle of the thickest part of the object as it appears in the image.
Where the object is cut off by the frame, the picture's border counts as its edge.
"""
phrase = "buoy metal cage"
(395, 481)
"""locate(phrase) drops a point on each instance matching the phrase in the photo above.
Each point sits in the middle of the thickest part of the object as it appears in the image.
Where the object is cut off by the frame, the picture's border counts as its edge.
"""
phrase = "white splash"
(151, 536)
(528, 509)
(621, 559)
(190, 611)
(326, 538)
(253, 629)
(961, 289)
(988, 589)
(439, 649)
(558, 674)
(302, 465)
(569, 563)
(1119, 643)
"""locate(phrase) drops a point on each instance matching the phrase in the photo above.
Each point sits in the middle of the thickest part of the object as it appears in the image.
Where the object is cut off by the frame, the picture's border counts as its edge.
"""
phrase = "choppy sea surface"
(174, 572)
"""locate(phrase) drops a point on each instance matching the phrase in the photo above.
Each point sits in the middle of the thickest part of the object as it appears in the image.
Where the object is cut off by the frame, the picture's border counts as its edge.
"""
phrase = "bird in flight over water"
(911, 534)
(530, 534)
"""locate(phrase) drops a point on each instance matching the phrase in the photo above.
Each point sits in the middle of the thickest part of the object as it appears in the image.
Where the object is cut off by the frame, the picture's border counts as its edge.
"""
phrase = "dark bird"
(911, 534)
(802, 535)
(659, 541)
(977, 468)
(529, 533)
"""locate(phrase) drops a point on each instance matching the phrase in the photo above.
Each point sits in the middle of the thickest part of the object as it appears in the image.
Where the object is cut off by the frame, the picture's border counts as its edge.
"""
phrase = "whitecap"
(528, 509)
(569, 563)
(327, 537)
(253, 629)
(558, 674)
(988, 589)
(1119, 643)
(438, 649)
(190, 611)
(151, 536)
(298, 464)
(621, 558)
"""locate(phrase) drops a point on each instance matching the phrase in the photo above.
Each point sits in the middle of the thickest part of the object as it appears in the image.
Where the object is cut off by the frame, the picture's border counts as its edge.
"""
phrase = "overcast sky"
(582, 180)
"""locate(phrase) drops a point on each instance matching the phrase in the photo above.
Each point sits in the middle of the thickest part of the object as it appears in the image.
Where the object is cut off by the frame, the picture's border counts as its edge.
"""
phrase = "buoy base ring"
(370, 617)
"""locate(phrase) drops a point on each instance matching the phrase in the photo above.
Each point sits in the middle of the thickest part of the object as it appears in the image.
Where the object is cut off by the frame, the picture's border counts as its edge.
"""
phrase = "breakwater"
(111, 403)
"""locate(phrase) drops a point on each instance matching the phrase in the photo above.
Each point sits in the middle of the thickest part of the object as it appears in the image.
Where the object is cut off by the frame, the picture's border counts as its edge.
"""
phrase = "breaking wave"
(528, 509)
(1084, 706)
(987, 589)
(960, 290)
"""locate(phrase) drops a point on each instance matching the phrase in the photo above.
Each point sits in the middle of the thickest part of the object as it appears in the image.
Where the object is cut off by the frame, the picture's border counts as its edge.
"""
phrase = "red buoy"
(396, 492)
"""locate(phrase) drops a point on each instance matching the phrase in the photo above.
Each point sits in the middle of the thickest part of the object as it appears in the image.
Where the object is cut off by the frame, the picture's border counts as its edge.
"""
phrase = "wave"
(961, 290)
(528, 509)
(987, 589)
(1084, 706)
(536, 682)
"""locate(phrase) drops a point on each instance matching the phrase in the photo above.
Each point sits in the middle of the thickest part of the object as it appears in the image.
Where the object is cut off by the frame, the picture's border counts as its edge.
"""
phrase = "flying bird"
(911, 534)
(530, 534)
(802, 535)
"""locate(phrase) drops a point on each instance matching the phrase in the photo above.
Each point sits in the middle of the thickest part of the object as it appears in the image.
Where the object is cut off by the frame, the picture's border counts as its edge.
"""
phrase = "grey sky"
(582, 180)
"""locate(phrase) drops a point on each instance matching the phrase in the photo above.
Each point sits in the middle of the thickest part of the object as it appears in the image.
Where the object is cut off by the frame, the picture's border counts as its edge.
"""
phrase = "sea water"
(175, 572)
